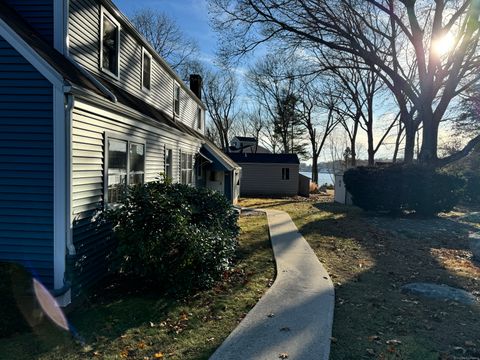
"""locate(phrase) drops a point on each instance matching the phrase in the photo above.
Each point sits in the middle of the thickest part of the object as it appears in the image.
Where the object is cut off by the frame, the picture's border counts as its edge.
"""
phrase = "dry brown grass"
(369, 259)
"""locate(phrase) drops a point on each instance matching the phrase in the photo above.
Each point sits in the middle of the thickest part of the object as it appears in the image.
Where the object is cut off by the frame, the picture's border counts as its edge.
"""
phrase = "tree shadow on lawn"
(370, 258)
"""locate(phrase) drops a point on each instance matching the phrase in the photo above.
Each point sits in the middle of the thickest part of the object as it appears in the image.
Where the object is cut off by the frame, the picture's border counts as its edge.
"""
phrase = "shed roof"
(240, 158)
(245, 139)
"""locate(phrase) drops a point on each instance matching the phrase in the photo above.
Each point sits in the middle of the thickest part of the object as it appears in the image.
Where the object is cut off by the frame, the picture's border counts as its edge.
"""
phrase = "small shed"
(342, 196)
(268, 174)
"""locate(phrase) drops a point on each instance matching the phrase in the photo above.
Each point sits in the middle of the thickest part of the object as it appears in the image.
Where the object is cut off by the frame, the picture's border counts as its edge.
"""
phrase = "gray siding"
(93, 242)
(26, 165)
(266, 179)
(38, 13)
(85, 49)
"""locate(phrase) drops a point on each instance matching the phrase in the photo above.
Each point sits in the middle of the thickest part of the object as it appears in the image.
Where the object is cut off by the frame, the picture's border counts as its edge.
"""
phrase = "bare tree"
(272, 84)
(313, 101)
(251, 123)
(439, 41)
(220, 91)
(166, 37)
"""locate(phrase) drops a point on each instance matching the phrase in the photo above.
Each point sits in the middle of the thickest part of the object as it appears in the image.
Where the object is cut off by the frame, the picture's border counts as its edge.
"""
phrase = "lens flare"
(49, 305)
(443, 45)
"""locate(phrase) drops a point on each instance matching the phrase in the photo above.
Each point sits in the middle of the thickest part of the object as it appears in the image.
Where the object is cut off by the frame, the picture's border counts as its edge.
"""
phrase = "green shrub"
(400, 188)
(471, 192)
(14, 279)
(180, 237)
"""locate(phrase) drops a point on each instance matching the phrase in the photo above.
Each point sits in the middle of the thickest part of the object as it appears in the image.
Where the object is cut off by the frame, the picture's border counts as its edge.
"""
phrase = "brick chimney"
(196, 85)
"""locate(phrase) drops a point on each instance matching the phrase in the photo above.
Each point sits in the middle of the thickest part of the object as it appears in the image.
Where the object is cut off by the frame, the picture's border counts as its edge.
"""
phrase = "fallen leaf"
(333, 339)
(158, 355)
(370, 352)
(285, 329)
(283, 356)
(271, 315)
(470, 343)
(373, 338)
(393, 342)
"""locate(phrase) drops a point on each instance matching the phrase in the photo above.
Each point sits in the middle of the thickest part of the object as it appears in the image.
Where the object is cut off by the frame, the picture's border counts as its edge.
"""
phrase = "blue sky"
(190, 15)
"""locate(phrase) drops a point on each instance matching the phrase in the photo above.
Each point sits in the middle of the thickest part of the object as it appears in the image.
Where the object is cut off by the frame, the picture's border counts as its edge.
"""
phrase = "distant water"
(323, 178)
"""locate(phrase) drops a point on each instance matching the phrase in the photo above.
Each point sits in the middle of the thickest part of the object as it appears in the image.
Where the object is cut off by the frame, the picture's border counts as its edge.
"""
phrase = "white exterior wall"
(266, 179)
(84, 40)
(89, 126)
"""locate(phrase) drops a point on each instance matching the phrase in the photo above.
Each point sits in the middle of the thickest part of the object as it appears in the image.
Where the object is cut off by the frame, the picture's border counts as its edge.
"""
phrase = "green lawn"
(118, 324)
(369, 259)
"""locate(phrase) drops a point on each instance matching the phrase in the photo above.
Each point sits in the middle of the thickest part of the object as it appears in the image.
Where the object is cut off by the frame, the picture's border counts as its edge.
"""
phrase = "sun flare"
(443, 45)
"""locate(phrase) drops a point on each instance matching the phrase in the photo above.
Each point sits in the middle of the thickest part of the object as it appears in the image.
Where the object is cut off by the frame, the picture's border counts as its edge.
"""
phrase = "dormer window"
(146, 71)
(110, 45)
(176, 99)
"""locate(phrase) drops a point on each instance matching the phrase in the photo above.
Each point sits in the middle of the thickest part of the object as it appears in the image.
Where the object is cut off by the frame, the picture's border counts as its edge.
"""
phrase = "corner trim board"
(60, 198)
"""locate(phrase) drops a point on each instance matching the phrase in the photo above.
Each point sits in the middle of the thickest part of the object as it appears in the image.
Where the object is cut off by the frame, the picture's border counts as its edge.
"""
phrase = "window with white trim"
(109, 45)
(146, 70)
(199, 118)
(168, 163)
(186, 168)
(176, 99)
(125, 166)
(285, 174)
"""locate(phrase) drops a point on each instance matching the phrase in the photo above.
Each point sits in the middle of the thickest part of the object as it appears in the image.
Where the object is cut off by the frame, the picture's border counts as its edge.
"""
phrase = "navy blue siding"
(38, 13)
(26, 165)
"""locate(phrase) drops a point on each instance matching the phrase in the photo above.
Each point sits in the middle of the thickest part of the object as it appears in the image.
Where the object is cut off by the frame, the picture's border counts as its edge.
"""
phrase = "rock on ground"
(440, 292)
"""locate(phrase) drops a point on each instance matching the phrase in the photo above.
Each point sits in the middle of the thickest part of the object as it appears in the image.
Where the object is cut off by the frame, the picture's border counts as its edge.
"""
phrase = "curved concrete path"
(295, 315)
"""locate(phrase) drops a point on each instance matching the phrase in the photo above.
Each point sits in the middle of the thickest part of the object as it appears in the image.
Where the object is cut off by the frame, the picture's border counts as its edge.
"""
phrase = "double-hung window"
(186, 168)
(109, 45)
(146, 70)
(199, 118)
(176, 99)
(168, 163)
(125, 166)
(285, 174)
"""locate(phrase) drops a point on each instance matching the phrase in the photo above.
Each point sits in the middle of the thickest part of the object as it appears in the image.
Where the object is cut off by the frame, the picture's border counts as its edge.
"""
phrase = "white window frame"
(177, 91)
(199, 118)
(190, 171)
(105, 13)
(168, 166)
(129, 140)
(145, 52)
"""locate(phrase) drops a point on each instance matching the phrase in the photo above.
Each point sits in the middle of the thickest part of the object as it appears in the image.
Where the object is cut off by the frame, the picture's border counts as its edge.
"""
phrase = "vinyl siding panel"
(38, 13)
(93, 241)
(266, 179)
(85, 49)
(26, 164)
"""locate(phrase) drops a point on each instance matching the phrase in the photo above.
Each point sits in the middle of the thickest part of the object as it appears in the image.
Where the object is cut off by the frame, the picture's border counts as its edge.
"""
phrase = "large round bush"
(398, 188)
(180, 237)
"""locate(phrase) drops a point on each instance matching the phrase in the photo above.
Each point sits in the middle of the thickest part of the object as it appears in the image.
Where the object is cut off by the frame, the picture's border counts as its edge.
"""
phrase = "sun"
(443, 45)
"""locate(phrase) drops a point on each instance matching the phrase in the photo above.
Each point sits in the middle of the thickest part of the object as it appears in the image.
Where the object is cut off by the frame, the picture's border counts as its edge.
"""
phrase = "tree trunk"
(410, 133)
(397, 143)
(315, 169)
(371, 150)
(353, 160)
(428, 152)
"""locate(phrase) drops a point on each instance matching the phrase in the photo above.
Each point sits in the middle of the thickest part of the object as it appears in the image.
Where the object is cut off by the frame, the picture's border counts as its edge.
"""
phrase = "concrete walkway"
(295, 316)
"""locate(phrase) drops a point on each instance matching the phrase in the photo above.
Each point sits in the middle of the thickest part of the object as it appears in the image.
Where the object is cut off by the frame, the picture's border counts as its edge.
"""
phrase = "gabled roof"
(241, 158)
(245, 139)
